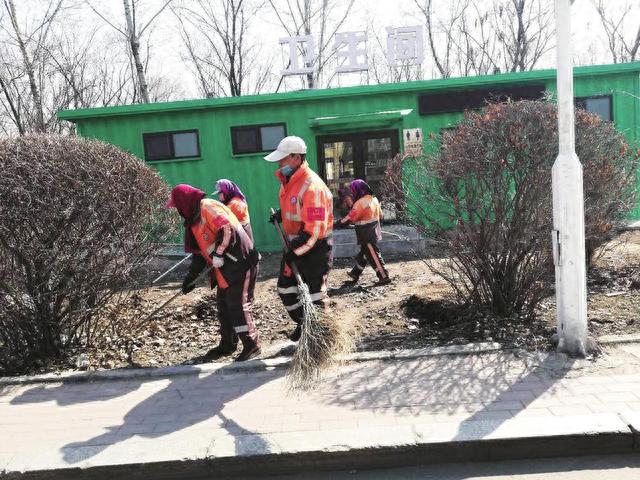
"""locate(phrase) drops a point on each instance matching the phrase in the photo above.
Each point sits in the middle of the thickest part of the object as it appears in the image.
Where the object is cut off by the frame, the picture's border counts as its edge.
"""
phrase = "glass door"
(345, 157)
(338, 165)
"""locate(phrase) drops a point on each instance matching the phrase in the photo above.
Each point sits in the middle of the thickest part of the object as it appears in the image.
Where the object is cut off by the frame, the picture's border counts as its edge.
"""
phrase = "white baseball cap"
(287, 146)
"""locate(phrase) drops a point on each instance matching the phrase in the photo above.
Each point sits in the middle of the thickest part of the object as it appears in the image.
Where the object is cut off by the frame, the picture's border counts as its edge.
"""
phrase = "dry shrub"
(78, 220)
(486, 195)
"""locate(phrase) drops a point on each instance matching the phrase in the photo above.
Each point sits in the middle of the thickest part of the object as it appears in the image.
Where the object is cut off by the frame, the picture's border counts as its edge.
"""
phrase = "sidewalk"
(368, 413)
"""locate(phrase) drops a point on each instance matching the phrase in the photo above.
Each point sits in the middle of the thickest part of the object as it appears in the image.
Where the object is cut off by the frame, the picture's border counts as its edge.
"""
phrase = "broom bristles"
(321, 340)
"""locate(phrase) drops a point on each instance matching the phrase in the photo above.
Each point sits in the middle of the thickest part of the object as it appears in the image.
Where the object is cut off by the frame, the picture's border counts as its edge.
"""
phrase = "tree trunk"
(15, 112)
(28, 65)
(307, 31)
(134, 42)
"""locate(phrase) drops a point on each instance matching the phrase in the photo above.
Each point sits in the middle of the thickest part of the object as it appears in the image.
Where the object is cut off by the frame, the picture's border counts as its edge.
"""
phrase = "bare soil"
(414, 311)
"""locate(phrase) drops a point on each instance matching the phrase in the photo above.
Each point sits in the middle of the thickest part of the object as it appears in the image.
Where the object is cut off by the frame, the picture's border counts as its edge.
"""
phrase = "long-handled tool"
(173, 268)
(177, 294)
(319, 337)
(294, 267)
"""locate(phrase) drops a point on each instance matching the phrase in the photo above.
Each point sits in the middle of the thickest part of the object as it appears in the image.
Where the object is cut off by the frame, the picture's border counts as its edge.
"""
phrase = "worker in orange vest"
(215, 238)
(230, 194)
(306, 213)
(365, 213)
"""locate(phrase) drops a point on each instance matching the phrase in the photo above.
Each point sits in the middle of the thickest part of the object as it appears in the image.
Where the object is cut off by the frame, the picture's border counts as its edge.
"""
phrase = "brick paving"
(228, 412)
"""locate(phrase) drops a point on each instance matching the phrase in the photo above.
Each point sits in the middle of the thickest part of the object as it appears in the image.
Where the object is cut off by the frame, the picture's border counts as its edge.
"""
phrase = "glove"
(276, 217)
(217, 261)
(188, 284)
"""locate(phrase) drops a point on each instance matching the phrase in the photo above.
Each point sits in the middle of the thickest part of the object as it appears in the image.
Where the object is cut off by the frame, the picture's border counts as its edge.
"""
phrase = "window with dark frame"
(171, 145)
(257, 138)
(601, 105)
(459, 101)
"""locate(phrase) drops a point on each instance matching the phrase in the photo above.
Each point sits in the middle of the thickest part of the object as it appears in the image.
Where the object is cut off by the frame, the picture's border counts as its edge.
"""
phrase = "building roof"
(420, 85)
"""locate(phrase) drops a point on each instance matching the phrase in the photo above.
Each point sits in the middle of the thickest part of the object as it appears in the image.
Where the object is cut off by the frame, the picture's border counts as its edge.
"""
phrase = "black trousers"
(314, 269)
(369, 253)
(234, 309)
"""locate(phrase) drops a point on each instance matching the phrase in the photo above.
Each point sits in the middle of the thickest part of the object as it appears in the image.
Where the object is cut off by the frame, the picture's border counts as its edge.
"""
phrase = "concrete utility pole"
(568, 204)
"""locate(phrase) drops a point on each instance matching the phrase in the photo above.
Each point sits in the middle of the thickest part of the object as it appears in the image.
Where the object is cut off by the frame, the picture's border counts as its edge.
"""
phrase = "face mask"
(287, 170)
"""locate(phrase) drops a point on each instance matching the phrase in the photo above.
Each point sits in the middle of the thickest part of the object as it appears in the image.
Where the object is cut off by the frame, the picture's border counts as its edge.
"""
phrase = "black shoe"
(220, 351)
(382, 281)
(354, 276)
(295, 335)
(248, 352)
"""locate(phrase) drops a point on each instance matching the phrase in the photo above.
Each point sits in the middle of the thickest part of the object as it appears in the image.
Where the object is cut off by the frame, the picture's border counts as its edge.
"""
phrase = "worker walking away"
(366, 215)
(230, 194)
(215, 237)
(306, 213)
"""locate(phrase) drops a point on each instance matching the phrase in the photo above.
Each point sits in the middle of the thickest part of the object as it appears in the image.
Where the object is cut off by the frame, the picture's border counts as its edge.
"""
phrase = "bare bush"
(486, 194)
(78, 220)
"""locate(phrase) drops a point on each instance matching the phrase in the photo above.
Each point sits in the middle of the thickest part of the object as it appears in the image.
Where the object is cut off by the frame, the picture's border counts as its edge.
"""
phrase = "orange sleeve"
(240, 210)
(356, 212)
(314, 215)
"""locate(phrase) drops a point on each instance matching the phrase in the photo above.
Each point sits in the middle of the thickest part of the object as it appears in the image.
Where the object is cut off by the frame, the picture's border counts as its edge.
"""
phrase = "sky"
(168, 51)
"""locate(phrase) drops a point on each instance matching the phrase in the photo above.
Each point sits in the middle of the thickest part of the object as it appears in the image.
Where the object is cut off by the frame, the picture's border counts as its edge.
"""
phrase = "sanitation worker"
(230, 194)
(366, 215)
(306, 213)
(216, 239)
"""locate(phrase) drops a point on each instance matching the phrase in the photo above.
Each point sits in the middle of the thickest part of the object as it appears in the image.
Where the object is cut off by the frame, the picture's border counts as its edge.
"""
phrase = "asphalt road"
(612, 467)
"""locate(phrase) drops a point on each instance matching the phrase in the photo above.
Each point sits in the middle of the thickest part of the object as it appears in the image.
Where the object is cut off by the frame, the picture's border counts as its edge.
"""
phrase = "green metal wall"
(256, 177)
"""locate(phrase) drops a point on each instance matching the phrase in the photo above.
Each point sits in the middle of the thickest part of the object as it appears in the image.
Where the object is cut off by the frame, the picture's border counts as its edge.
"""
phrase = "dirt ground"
(388, 317)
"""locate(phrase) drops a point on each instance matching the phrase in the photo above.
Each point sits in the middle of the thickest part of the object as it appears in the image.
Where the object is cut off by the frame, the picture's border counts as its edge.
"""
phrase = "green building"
(350, 132)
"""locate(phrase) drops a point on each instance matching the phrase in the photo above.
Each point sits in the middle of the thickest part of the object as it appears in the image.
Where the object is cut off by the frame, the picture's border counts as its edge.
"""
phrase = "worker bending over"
(215, 237)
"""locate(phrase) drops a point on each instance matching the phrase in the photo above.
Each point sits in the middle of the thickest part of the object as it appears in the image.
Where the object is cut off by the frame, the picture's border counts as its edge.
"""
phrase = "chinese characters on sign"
(404, 47)
(308, 46)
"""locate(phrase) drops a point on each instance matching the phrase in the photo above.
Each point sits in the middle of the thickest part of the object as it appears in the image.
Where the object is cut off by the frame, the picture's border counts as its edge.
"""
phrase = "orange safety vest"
(240, 209)
(306, 204)
(365, 210)
(214, 216)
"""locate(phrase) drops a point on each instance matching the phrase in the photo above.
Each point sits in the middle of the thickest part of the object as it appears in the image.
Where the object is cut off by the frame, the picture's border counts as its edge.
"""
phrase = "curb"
(374, 448)
(274, 363)
(619, 339)
(248, 366)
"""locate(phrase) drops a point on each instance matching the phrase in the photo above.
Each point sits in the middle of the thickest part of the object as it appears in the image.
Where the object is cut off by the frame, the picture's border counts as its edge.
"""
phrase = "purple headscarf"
(228, 189)
(359, 188)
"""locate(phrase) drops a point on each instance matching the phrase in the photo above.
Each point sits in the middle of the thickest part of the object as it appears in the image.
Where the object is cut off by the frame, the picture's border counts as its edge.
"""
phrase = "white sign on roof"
(349, 51)
(405, 45)
(307, 44)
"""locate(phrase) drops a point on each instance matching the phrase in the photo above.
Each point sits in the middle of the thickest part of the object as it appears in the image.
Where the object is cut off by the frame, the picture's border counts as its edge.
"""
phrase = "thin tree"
(314, 17)
(524, 32)
(133, 33)
(470, 38)
(218, 47)
(30, 46)
(443, 34)
(622, 29)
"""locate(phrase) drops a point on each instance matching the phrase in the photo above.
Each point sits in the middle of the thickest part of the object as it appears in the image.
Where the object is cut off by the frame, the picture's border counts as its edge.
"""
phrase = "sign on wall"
(412, 138)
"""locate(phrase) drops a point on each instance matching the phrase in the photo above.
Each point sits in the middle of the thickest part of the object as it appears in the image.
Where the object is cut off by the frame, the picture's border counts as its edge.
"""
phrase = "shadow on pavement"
(184, 402)
(491, 388)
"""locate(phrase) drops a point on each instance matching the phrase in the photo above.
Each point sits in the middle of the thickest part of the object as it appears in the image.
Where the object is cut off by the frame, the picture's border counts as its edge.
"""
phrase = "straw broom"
(321, 340)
